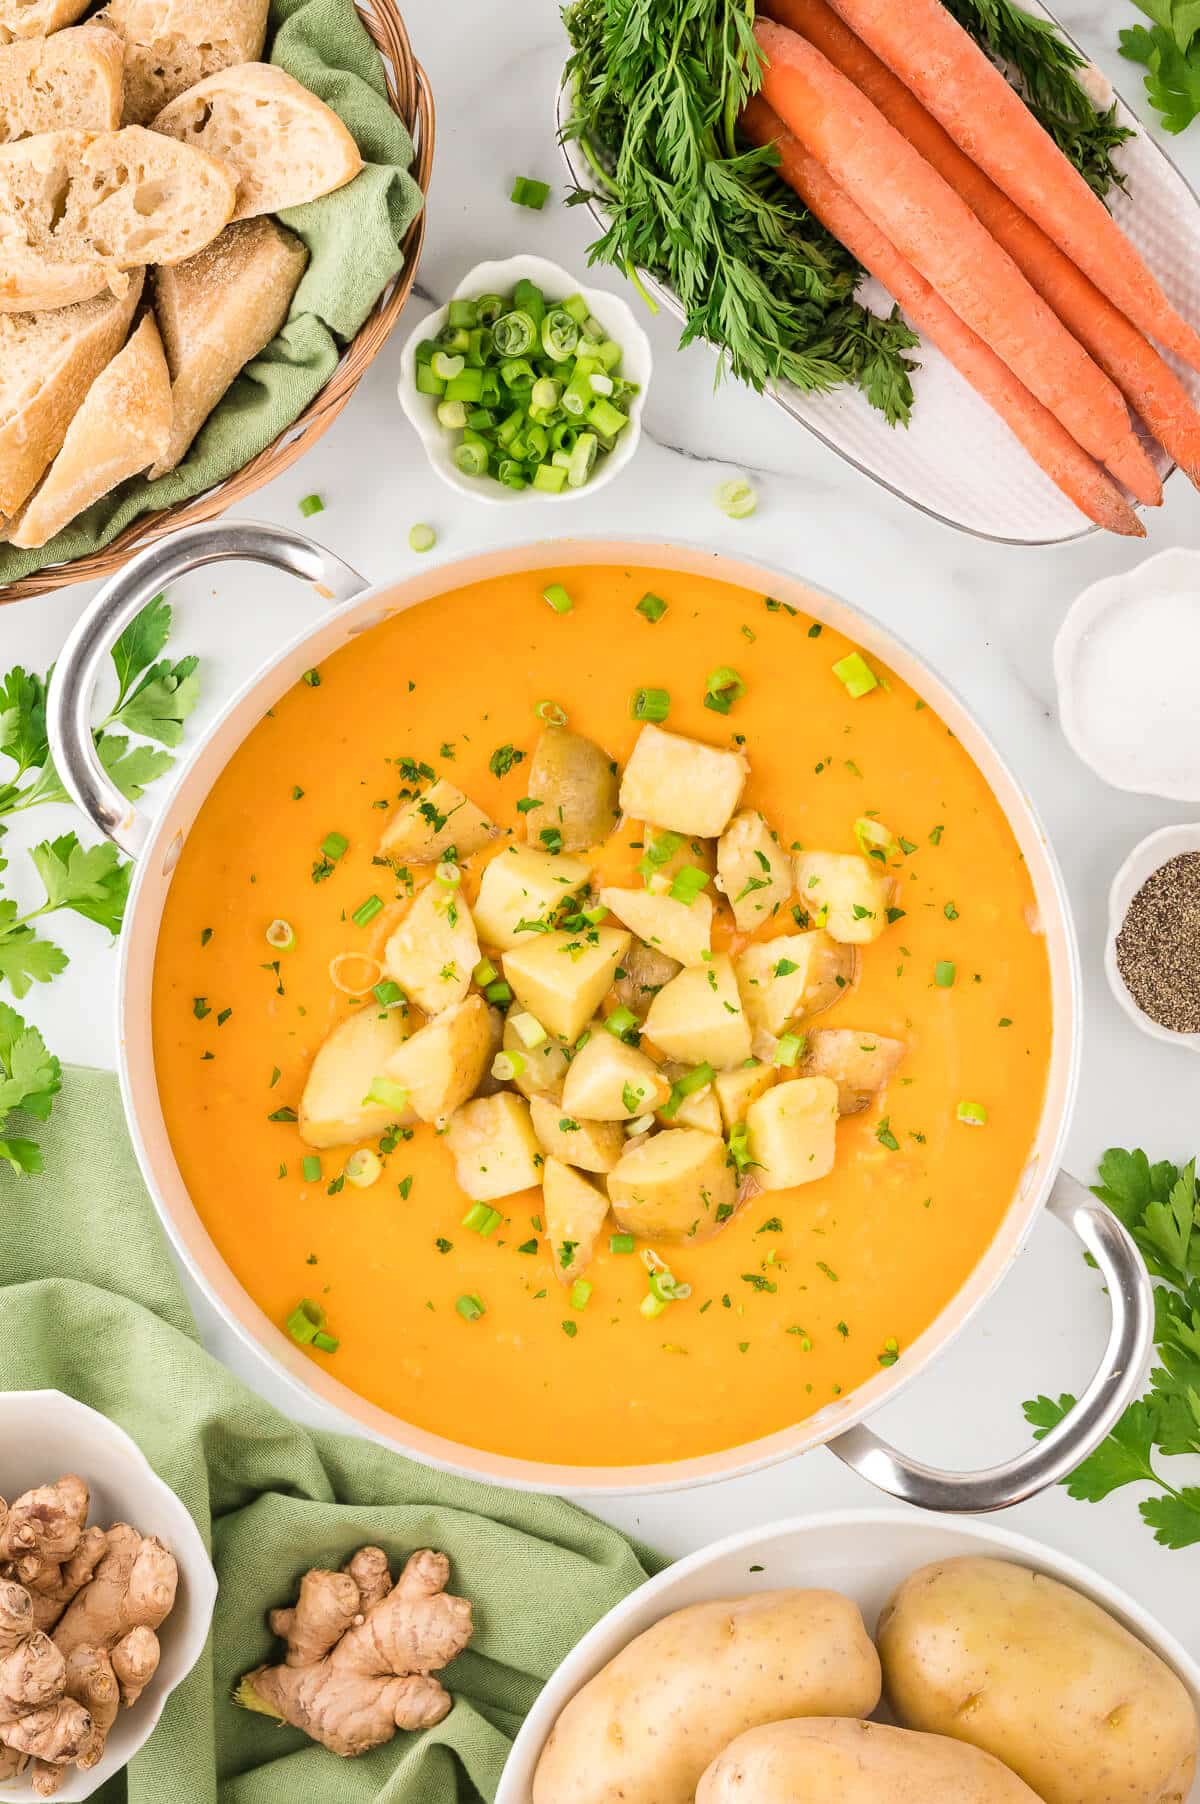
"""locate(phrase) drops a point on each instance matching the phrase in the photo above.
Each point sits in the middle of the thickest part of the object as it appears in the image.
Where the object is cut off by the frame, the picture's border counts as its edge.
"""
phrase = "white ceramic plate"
(862, 1553)
(44, 1434)
(957, 461)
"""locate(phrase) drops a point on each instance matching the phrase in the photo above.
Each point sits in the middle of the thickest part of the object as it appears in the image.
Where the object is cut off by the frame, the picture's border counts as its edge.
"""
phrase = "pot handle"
(1113, 1386)
(69, 706)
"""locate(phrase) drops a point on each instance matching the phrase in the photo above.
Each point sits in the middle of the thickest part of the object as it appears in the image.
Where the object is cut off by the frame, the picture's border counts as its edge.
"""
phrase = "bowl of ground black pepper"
(1153, 953)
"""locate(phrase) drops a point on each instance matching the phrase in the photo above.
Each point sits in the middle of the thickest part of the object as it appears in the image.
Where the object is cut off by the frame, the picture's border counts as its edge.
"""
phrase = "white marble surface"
(984, 615)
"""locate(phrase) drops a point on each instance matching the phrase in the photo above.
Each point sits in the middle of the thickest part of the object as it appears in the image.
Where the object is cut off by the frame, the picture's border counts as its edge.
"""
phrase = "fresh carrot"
(1048, 443)
(932, 54)
(1147, 383)
(934, 229)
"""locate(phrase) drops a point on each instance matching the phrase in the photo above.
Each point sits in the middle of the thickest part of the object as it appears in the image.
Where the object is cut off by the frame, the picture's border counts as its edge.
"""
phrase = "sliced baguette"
(216, 312)
(73, 81)
(170, 45)
(37, 18)
(48, 362)
(286, 145)
(121, 428)
(77, 208)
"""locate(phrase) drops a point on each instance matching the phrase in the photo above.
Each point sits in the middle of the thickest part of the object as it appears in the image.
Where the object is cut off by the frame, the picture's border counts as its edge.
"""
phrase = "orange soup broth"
(796, 1300)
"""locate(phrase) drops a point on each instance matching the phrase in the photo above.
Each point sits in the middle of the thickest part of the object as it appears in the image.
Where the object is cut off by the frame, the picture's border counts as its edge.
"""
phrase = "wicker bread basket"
(409, 94)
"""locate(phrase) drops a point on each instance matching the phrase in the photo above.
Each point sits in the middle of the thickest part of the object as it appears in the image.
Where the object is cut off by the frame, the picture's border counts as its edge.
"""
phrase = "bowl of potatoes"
(864, 1655)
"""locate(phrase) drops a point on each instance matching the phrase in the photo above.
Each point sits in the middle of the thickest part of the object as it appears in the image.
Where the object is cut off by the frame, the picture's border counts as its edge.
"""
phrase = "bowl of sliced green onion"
(526, 386)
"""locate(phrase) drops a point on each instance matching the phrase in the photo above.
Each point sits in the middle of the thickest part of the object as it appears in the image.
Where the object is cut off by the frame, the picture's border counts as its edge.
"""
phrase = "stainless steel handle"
(1113, 1387)
(69, 707)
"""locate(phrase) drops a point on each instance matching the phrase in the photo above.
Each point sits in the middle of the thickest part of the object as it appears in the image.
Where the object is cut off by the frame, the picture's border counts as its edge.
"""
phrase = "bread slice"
(48, 362)
(170, 45)
(73, 81)
(121, 428)
(216, 312)
(77, 208)
(37, 18)
(286, 145)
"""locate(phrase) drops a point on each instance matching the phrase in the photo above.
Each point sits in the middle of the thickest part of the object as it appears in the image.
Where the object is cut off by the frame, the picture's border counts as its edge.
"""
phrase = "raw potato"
(441, 1065)
(842, 888)
(434, 950)
(575, 1213)
(591, 1145)
(606, 1076)
(753, 869)
(681, 783)
(646, 970)
(523, 884)
(792, 1132)
(644, 1729)
(774, 997)
(561, 977)
(576, 783)
(441, 819)
(699, 1110)
(496, 1151)
(698, 1016)
(333, 1110)
(860, 1063)
(682, 930)
(677, 1185)
(829, 1760)
(1021, 1665)
(544, 1067)
(736, 1090)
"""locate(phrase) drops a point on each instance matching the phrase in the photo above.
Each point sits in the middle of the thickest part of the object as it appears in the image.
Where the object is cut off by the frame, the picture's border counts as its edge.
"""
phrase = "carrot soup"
(603, 1033)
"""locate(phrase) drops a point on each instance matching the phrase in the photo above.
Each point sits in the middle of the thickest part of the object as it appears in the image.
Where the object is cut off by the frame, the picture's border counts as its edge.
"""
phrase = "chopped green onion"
(513, 334)
(305, 1321)
(421, 538)
(687, 884)
(462, 313)
(551, 713)
(448, 874)
(484, 973)
(723, 687)
(507, 1065)
(498, 992)
(335, 845)
(593, 916)
(559, 334)
(446, 366)
(651, 1305)
(622, 1022)
(943, 973)
(550, 480)
(469, 460)
(453, 415)
(788, 1049)
(312, 504)
(583, 458)
(529, 1031)
(325, 1343)
(973, 1114)
(641, 1124)
(651, 608)
(311, 1167)
(387, 993)
(558, 598)
(362, 1168)
(488, 309)
(696, 1079)
(388, 1094)
(620, 1243)
(366, 911)
(470, 1307)
(658, 852)
(650, 704)
(874, 839)
(739, 1148)
(736, 498)
(481, 1219)
(856, 675)
(581, 1292)
(281, 936)
(527, 192)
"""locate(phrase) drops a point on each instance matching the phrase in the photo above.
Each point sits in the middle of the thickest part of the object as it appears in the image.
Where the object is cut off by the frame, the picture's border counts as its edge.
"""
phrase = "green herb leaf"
(162, 701)
(140, 644)
(25, 959)
(132, 767)
(30, 1079)
(90, 881)
(1172, 79)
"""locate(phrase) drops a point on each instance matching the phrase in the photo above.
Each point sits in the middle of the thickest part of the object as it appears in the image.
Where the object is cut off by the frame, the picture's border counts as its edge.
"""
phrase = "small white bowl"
(1092, 637)
(1155, 850)
(556, 283)
(44, 1435)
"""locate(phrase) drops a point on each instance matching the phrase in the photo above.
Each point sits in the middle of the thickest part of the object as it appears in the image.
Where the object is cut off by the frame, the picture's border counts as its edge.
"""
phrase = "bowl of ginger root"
(106, 1597)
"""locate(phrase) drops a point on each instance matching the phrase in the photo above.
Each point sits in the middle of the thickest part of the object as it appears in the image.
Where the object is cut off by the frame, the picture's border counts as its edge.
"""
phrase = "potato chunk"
(792, 1132)
(792, 976)
(859, 1063)
(434, 950)
(681, 783)
(680, 929)
(844, 895)
(592, 1145)
(641, 975)
(561, 977)
(496, 1151)
(543, 1067)
(441, 1065)
(699, 1110)
(699, 1016)
(575, 1213)
(677, 1185)
(523, 884)
(576, 783)
(333, 1109)
(609, 1081)
(736, 1090)
(426, 827)
(753, 870)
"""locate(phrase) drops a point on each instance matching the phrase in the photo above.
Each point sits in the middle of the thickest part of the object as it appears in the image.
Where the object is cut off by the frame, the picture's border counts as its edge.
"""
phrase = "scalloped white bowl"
(44, 1434)
(557, 283)
(1149, 853)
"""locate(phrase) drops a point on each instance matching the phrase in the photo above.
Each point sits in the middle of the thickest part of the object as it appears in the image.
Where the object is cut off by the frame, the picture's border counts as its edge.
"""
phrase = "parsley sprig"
(1160, 1205)
(1169, 50)
(155, 695)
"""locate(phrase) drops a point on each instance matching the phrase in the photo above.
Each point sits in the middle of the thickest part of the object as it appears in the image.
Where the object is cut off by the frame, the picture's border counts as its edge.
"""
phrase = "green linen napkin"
(353, 237)
(91, 1305)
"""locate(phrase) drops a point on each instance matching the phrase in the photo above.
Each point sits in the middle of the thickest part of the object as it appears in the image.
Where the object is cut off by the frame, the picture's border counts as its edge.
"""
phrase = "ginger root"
(79, 1608)
(361, 1652)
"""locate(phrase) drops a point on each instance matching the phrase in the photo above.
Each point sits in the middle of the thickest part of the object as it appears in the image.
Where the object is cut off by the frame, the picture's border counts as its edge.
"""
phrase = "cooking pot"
(353, 606)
